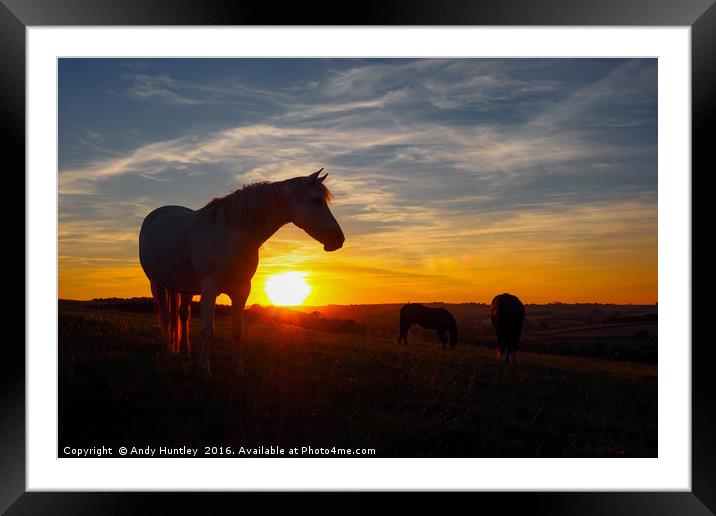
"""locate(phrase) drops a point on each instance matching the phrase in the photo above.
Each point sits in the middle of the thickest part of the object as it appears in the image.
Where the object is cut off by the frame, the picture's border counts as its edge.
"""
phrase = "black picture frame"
(700, 15)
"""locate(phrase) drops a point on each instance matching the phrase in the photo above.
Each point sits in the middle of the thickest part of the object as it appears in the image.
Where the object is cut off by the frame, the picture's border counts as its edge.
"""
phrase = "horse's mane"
(250, 205)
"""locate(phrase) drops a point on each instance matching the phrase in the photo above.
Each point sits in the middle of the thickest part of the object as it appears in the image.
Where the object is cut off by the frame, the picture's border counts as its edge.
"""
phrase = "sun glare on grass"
(287, 288)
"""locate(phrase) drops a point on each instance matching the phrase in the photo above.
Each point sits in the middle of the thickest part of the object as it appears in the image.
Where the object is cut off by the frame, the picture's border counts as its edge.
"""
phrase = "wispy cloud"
(165, 89)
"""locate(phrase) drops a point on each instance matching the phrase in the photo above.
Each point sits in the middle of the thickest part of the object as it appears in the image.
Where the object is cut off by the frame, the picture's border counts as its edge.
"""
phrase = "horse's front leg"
(185, 327)
(209, 292)
(238, 296)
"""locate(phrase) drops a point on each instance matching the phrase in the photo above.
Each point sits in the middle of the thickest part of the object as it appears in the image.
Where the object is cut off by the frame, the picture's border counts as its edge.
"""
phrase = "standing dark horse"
(508, 315)
(215, 250)
(429, 318)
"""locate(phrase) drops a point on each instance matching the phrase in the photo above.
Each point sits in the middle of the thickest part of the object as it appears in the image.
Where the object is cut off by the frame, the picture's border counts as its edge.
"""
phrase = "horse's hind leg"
(184, 313)
(441, 334)
(404, 329)
(506, 352)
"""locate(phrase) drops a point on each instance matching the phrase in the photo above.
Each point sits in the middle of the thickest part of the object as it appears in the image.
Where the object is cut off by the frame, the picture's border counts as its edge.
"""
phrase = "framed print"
(227, 229)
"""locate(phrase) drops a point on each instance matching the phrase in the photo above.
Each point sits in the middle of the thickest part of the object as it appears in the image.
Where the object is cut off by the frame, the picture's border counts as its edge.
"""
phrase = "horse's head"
(308, 208)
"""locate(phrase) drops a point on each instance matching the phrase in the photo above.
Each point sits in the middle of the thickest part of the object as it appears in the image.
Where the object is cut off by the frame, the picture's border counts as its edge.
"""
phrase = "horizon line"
(556, 302)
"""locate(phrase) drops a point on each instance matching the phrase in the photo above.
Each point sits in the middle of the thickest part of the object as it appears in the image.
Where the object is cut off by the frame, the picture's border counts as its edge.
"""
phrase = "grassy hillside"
(614, 332)
(346, 389)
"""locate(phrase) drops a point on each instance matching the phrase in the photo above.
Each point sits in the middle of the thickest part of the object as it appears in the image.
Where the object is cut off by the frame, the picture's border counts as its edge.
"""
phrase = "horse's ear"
(314, 177)
(321, 179)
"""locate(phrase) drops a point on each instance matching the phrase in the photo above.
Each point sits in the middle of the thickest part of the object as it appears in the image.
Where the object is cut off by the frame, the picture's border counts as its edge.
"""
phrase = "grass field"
(303, 387)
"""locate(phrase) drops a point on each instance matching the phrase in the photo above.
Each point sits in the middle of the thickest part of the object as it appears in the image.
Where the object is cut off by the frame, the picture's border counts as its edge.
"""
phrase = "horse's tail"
(166, 308)
(159, 296)
(174, 326)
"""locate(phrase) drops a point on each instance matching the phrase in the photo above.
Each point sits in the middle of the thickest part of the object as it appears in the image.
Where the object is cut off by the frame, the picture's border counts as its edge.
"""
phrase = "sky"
(453, 179)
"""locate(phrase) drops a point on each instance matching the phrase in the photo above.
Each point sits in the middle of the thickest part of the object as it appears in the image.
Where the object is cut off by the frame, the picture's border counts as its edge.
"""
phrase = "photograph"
(357, 257)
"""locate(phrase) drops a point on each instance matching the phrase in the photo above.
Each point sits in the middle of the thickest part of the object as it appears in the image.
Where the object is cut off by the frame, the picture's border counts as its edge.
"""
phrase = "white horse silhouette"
(215, 250)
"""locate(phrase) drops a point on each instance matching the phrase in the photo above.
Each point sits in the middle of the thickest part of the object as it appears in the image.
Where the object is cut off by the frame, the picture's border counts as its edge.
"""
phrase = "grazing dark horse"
(508, 315)
(429, 318)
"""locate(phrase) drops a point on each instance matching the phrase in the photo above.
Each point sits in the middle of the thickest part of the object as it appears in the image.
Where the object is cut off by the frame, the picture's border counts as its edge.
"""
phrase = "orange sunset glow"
(542, 265)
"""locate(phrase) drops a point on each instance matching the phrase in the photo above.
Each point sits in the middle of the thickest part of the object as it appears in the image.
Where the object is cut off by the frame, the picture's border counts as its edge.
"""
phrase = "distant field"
(614, 332)
(625, 330)
(321, 388)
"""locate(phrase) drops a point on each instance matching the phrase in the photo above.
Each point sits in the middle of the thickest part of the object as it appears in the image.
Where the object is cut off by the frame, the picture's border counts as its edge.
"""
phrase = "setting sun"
(287, 288)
